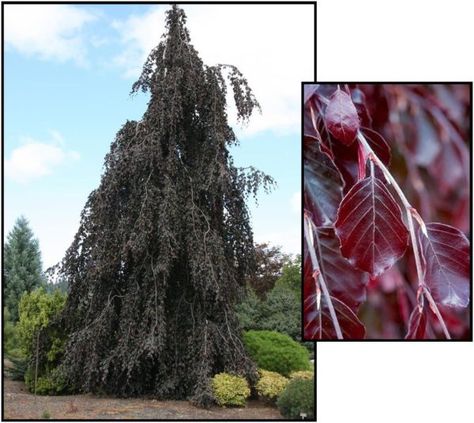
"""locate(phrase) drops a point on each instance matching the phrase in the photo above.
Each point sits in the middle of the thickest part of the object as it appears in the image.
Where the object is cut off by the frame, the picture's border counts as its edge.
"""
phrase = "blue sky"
(68, 74)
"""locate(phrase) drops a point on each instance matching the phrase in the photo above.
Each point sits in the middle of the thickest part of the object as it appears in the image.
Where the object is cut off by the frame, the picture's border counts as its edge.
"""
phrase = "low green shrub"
(276, 352)
(297, 398)
(52, 384)
(302, 374)
(270, 384)
(37, 310)
(230, 389)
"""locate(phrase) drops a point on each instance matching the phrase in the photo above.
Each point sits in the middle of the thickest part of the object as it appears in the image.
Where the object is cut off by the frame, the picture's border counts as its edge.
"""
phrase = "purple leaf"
(341, 117)
(326, 90)
(309, 90)
(322, 182)
(346, 157)
(346, 160)
(370, 227)
(314, 128)
(446, 254)
(346, 288)
(343, 281)
(318, 323)
(378, 144)
(359, 100)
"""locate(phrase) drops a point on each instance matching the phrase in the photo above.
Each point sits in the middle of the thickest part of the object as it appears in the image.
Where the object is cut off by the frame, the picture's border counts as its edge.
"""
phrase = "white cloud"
(296, 203)
(50, 31)
(273, 46)
(34, 159)
(98, 41)
(57, 137)
(289, 240)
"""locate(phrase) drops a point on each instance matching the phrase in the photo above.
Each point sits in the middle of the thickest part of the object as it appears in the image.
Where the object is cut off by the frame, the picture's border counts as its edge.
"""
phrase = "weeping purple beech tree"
(164, 245)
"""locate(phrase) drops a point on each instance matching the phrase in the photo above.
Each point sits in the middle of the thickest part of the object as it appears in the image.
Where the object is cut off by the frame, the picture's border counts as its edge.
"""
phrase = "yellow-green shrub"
(302, 374)
(270, 384)
(52, 384)
(230, 389)
(37, 309)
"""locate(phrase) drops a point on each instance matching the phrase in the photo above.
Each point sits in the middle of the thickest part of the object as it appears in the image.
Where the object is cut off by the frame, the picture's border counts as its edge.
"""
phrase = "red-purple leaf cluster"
(343, 281)
(370, 227)
(346, 288)
(323, 184)
(446, 254)
(318, 323)
(367, 199)
(342, 120)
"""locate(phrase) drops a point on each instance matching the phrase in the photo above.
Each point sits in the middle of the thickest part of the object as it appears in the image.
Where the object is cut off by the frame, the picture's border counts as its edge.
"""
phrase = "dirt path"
(20, 404)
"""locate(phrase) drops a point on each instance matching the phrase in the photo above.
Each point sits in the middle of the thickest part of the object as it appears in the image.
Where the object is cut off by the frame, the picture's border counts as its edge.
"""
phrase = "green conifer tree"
(22, 265)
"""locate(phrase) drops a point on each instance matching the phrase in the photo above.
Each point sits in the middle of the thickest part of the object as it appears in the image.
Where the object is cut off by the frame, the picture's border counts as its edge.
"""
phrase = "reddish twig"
(308, 232)
(410, 212)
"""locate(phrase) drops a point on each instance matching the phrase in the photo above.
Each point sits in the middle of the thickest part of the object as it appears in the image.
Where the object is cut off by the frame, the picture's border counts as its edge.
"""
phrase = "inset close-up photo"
(151, 230)
(386, 219)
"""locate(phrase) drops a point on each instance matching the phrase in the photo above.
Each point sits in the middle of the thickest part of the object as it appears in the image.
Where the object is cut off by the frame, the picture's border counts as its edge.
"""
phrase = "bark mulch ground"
(21, 404)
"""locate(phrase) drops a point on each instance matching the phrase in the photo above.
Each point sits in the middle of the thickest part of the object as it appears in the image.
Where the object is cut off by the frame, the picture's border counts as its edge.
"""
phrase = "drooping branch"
(410, 211)
(308, 232)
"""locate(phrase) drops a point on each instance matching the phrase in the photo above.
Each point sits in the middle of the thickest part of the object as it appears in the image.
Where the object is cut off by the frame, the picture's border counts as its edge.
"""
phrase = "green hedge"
(276, 352)
(297, 398)
(52, 384)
